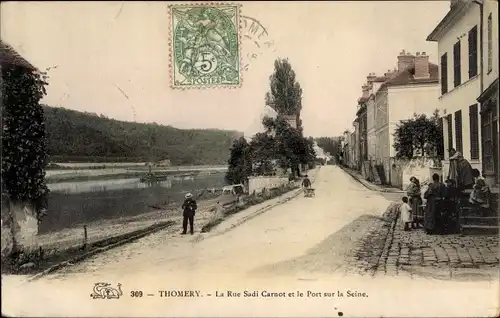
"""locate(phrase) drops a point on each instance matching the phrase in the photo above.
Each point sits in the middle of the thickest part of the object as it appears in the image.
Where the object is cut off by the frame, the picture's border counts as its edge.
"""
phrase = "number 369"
(136, 293)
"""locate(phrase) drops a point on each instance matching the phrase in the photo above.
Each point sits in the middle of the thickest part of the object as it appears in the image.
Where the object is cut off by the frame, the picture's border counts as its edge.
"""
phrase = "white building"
(458, 37)
(256, 126)
(413, 87)
(489, 93)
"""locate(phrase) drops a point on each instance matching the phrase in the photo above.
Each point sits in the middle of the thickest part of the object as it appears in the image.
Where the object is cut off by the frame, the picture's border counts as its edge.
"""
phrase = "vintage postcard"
(250, 159)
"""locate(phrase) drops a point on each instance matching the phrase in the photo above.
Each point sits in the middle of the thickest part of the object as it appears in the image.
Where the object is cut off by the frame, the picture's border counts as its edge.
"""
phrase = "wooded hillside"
(86, 137)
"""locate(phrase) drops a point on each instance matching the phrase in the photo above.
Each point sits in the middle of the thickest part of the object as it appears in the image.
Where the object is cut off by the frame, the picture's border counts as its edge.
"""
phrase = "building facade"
(361, 118)
(458, 38)
(488, 98)
(414, 88)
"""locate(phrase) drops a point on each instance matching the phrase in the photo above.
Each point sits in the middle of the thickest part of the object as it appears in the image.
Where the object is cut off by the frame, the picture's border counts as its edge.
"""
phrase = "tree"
(262, 152)
(24, 153)
(329, 145)
(239, 163)
(420, 134)
(286, 94)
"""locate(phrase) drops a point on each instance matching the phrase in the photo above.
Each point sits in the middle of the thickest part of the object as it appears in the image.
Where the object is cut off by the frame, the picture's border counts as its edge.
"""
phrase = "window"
(444, 73)
(490, 44)
(458, 131)
(489, 123)
(449, 122)
(473, 52)
(456, 64)
(474, 131)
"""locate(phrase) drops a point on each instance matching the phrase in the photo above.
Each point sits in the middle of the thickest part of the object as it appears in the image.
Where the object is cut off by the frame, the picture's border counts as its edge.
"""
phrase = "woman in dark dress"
(435, 210)
(415, 200)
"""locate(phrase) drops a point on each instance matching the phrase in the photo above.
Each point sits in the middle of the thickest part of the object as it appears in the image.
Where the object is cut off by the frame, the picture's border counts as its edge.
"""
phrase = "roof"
(406, 77)
(456, 11)
(380, 79)
(9, 56)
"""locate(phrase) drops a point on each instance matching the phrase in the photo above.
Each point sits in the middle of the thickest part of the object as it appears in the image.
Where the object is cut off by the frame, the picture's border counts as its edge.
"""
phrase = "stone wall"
(421, 168)
(257, 184)
(26, 225)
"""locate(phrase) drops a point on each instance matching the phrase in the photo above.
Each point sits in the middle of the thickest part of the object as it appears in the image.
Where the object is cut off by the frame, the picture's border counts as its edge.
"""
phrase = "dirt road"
(298, 247)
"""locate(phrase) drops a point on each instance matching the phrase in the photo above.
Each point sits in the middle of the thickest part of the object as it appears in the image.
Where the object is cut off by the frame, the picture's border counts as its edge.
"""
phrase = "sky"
(112, 58)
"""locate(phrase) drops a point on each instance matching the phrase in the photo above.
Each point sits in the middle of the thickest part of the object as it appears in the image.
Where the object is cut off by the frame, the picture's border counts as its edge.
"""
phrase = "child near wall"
(406, 215)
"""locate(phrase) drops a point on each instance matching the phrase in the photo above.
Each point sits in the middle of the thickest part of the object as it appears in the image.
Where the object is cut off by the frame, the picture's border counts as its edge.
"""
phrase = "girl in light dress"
(406, 215)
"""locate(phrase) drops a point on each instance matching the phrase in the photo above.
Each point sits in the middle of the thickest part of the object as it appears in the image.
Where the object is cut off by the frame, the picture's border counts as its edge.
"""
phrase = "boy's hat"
(189, 195)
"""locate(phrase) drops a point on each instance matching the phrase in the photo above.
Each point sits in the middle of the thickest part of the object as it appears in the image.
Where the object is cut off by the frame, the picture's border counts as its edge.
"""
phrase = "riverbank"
(51, 249)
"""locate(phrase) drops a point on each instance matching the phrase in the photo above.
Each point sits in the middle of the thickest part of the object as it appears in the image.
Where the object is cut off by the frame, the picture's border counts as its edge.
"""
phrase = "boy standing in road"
(189, 206)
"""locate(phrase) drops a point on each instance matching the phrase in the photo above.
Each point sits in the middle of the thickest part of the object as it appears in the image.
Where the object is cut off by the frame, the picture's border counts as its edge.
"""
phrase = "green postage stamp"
(205, 45)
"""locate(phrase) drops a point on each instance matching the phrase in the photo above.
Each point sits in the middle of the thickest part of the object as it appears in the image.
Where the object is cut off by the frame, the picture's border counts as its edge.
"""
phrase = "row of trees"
(280, 145)
(330, 145)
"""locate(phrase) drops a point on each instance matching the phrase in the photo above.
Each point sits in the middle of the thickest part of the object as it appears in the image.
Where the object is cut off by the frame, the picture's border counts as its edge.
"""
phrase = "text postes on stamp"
(205, 44)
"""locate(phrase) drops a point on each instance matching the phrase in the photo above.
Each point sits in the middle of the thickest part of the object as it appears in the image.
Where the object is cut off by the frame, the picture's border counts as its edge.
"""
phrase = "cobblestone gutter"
(371, 252)
(388, 250)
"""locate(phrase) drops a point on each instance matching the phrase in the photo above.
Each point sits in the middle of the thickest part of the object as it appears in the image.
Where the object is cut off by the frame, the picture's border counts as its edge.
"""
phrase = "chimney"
(366, 91)
(421, 66)
(405, 60)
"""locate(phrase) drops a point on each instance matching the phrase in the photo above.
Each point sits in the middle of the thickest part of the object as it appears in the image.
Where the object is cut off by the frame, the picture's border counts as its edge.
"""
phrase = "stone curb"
(132, 236)
(369, 185)
(389, 238)
(256, 213)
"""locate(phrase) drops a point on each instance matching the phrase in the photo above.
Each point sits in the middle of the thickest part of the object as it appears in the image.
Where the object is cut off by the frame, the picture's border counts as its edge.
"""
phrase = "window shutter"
(444, 73)
(449, 120)
(458, 131)
(473, 52)
(456, 64)
(490, 43)
(474, 131)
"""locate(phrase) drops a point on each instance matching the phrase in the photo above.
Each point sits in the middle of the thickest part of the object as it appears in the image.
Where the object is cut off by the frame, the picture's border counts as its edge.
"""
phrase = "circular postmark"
(257, 37)
(206, 45)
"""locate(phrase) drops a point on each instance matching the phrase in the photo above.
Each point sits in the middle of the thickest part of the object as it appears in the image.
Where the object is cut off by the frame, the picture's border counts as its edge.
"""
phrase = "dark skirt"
(415, 202)
(440, 216)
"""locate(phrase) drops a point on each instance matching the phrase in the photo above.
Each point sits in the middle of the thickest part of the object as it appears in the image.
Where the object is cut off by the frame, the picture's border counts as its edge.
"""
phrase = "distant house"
(294, 119)
(459, 44)
(362, 125)
(413, 89)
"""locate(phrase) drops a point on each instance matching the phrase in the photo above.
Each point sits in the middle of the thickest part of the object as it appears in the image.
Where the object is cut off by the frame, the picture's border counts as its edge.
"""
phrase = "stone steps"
(479, 229)
(479, 220)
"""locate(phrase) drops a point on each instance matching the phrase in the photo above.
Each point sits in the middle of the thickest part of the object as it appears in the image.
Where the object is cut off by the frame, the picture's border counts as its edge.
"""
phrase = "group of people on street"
(440, 211)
